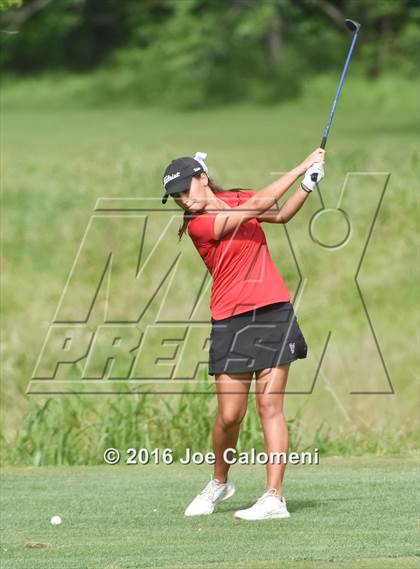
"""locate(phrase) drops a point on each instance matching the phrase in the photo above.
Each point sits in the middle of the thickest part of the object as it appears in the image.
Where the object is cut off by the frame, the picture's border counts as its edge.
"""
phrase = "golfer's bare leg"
(232, 396)
(270, 387)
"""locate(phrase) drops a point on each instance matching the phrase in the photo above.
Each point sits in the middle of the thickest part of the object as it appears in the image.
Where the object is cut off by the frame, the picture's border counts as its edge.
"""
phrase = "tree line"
(223, 50)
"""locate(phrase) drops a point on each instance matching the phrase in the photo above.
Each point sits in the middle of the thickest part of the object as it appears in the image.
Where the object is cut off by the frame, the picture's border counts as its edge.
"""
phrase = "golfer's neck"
(214, 202)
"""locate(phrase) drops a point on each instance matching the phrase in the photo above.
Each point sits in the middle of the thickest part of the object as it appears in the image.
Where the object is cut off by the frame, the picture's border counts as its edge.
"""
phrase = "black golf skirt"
(261, 338)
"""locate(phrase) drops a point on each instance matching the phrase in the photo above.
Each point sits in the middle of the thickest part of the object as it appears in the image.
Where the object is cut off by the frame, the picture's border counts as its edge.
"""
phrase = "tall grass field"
(59, 161)
(355, 398)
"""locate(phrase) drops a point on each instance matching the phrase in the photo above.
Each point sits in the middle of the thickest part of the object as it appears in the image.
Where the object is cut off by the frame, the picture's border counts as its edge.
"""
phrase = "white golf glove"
(307, 183)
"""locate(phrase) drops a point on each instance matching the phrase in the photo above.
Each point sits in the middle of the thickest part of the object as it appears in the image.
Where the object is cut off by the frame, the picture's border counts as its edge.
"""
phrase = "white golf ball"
(55, 520)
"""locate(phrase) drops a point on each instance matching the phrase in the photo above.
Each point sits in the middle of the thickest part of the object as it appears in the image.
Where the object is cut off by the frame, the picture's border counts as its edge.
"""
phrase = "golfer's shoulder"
(245, 194)
(201, 227)
(236, 196)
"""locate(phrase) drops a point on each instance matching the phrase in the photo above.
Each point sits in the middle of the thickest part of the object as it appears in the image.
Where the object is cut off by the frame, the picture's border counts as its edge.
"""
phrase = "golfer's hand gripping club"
(314, 175)
(308, 183)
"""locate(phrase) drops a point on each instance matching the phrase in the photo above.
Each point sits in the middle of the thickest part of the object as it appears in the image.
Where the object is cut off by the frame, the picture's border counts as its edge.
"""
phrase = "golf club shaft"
(314, 177)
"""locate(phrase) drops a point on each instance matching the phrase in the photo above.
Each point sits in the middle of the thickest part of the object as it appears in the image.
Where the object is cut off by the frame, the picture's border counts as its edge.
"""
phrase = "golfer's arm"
(268, 196)
(227, 221)
(287, 210)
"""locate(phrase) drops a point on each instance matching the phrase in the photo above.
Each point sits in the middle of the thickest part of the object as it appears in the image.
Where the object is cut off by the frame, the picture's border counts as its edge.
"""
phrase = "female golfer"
(254, 328)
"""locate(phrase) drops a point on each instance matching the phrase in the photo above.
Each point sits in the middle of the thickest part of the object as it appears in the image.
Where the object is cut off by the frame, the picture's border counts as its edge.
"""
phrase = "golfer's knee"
(229, 419)
(268, 410)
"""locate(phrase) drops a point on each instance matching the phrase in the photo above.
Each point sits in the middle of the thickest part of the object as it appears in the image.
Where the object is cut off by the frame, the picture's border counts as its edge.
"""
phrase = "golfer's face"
(192, 197)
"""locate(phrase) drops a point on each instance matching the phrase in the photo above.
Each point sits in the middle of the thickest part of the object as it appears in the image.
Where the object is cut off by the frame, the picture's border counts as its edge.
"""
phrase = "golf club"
(354, 27)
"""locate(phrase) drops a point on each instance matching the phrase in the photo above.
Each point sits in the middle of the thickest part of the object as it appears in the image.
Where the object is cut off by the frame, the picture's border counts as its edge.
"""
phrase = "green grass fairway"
(344, 514)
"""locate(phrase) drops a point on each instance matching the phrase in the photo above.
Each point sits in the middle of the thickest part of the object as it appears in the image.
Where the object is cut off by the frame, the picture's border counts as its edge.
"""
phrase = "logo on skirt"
(292, 347)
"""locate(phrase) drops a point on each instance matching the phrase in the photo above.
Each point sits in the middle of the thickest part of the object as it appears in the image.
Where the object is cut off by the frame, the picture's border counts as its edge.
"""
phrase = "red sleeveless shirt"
(244, 274)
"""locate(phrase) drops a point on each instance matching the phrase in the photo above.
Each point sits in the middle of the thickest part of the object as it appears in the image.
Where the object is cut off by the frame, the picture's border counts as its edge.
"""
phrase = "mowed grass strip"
(344, 512)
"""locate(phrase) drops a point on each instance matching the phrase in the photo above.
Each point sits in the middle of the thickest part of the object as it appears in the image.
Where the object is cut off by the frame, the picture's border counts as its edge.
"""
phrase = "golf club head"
(352, 25)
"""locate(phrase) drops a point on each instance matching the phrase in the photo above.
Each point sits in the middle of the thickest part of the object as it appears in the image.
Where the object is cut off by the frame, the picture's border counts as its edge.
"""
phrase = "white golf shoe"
(269, 506)
(205, 502)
